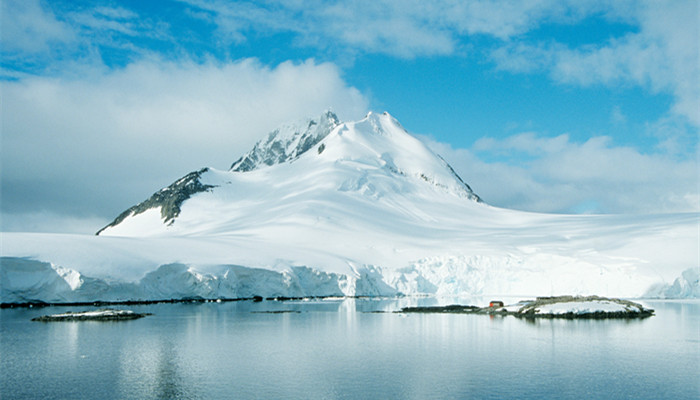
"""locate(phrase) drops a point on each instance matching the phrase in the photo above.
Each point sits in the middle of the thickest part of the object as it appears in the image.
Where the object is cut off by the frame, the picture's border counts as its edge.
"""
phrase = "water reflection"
(71, 334)
(167, 380)
(341, 349)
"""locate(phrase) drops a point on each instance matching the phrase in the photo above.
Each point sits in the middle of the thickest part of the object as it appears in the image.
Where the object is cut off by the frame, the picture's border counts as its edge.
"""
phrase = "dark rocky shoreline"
(528, 309)
(99, 303)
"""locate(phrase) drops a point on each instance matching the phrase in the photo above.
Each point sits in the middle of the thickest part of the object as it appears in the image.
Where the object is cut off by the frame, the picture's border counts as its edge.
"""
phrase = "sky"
(544, 106)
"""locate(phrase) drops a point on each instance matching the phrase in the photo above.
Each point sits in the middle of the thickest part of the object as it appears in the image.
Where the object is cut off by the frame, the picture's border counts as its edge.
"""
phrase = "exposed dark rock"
(454, 309)
(164, 301)
(276, 150)
(169, 199)
(277, 312)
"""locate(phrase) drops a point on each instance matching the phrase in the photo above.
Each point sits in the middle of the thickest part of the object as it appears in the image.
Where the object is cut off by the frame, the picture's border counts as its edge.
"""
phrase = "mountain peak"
(287, 142)
(380, 139)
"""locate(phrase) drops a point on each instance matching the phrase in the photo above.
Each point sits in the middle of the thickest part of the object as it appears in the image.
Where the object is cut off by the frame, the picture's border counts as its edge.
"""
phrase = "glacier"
(321, 207)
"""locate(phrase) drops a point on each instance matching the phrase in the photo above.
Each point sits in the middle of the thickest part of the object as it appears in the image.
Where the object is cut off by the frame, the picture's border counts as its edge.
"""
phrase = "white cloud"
(97, 143)
(663, 57)
(528, 143)
(28, 28)
(55, 37)
(404, 28)
(674, 136)
(50, 222)
(390, 28)
(108, 19)
(557, 175)
(617, 117)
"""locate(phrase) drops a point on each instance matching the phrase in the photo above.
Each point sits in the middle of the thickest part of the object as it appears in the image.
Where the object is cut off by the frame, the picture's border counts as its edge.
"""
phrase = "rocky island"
(97, 315)
(568, 307)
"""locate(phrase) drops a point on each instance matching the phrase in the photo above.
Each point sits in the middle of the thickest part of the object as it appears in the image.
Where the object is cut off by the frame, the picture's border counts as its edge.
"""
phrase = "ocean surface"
(344, 349)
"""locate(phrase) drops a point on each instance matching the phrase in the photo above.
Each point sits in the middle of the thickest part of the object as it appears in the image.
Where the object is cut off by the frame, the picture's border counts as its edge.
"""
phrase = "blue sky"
(547, 106)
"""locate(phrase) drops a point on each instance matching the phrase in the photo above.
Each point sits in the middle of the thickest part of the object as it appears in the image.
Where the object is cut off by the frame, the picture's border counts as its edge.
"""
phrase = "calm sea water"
(338, 349)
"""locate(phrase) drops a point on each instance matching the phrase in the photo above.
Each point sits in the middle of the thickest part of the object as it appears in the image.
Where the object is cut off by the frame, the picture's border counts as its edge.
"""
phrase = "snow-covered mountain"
(321, 207)
(306, 169)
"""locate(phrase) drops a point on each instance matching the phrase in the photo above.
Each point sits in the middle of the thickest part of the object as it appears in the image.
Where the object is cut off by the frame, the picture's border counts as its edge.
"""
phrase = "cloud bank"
(555, 174)
(95, 145)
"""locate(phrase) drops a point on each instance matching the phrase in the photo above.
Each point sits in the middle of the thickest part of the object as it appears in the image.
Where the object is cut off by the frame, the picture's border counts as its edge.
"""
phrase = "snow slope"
(321, 207)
